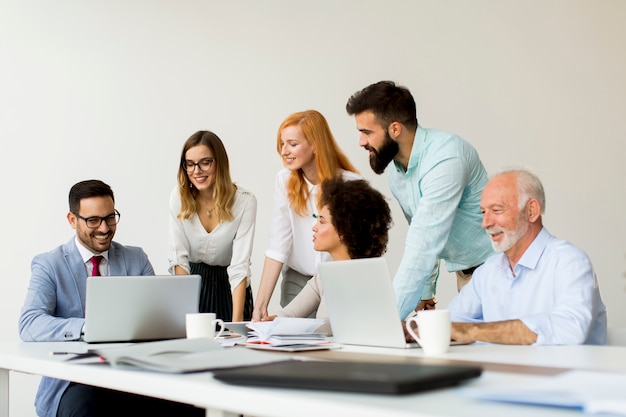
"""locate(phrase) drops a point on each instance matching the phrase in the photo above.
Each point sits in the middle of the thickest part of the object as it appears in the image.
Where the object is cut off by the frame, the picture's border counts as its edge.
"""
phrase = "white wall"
(112, 89)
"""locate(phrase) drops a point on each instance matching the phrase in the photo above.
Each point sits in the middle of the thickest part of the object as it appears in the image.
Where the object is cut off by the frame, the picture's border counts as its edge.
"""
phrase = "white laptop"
(361, 303)
(139, 308)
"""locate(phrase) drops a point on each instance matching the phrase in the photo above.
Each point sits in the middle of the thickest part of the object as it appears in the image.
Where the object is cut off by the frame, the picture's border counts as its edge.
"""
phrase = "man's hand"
(426, 304)
(461, 332)
(407, 336)
(508, 332)
(423, 305)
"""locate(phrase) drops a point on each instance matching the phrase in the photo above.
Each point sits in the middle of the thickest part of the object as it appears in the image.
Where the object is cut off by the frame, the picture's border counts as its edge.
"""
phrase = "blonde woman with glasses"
(212, 223)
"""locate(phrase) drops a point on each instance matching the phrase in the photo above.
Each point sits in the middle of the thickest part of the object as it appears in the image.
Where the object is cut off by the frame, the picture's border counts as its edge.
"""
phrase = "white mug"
(203, 325)
(434, 329)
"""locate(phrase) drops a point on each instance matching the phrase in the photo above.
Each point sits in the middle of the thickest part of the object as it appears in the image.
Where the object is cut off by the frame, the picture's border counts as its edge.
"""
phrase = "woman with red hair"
(311, 155)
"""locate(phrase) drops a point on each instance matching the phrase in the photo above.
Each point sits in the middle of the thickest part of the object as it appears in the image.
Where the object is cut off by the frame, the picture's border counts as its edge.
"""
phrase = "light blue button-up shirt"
(554, 292)
(439, 194)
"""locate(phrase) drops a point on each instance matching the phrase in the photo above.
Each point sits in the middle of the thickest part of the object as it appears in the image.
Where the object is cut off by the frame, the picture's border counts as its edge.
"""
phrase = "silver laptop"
(361, 303)
(139, 308)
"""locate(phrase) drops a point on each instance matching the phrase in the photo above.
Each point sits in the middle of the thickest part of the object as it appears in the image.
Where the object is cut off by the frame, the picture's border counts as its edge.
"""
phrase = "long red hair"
(329, 158)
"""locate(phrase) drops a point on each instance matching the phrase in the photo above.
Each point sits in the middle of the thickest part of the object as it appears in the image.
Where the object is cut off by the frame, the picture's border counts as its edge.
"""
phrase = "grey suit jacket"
(54, 309)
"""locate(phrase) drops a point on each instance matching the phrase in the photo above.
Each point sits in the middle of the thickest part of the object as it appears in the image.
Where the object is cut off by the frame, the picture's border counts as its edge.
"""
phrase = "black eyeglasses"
(203, 164)
(94, 222)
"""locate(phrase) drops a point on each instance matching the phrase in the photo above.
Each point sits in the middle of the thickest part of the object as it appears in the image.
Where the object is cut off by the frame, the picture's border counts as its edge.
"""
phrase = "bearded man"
(437, 179)
(538, 289)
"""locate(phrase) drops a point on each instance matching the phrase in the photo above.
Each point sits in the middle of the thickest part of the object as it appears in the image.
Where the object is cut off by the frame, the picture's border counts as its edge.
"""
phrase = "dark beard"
(380, 158)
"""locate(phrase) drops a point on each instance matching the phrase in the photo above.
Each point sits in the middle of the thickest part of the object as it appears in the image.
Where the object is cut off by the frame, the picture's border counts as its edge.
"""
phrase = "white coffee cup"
(202, 325)
(434, 328)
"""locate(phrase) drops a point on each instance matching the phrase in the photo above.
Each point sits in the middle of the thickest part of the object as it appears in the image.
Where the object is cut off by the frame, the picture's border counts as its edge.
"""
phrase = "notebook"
(361, 303)
(369, 377)
(139, 308)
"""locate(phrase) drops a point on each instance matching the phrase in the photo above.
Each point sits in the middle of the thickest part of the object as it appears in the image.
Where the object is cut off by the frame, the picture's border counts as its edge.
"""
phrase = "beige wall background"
(112, 89)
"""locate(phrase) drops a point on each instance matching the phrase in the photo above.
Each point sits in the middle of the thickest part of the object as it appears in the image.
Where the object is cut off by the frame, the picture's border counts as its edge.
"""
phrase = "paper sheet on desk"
(592, 392)
(184, 355)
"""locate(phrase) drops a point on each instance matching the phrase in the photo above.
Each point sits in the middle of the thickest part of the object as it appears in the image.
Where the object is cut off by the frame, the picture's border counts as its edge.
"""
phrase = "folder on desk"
(182, 356)
(367, 377)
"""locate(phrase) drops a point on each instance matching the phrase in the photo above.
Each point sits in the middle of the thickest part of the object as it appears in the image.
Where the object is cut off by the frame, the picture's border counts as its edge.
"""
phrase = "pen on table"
(78, 355)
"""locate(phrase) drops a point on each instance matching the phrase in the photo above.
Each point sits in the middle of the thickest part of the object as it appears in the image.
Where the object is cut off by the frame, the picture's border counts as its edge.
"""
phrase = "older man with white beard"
(538, 289)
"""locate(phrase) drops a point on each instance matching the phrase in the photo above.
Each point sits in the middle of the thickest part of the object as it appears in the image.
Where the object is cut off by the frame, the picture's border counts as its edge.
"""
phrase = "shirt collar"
(531, 257)
(419, 141)
(86, 254)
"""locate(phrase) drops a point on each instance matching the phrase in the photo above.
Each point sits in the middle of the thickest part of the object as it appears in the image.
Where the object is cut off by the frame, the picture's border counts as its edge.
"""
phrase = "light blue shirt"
(440, 197)
(554, 292)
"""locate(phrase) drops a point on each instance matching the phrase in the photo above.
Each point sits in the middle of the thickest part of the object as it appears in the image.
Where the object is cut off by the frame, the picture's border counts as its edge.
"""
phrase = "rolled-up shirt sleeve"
(441, 189)
(239, 268)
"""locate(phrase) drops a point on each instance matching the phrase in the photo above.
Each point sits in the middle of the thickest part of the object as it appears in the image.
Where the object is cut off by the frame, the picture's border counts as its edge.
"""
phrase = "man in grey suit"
(54, 309)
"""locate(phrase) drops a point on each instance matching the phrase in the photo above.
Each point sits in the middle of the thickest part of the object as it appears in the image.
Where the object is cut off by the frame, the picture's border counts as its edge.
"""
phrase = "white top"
(229, 244)
(291, 235)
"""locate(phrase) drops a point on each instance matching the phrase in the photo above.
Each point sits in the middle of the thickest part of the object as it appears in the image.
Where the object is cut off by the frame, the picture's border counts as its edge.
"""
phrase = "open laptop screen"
(139, 308)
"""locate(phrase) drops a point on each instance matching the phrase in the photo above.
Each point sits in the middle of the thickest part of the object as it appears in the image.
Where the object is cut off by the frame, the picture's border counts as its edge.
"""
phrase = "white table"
(220, 399)
(581, 357)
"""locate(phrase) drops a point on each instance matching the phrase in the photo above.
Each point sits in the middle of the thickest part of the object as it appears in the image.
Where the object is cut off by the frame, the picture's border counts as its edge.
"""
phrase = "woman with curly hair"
(353, 222)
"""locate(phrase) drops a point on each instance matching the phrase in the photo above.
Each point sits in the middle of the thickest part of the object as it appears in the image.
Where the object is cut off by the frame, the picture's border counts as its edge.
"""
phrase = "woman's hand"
(259, 314)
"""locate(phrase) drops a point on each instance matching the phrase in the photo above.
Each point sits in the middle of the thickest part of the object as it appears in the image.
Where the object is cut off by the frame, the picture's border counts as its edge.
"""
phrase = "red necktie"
(95, 263)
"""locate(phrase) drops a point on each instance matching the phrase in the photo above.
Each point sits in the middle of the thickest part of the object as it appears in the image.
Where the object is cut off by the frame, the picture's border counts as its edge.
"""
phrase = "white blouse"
(229, 244)
(291, 235)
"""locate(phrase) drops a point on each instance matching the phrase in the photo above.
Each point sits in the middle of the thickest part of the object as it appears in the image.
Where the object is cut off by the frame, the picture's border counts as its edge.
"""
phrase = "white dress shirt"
(229, 244)
(86, 254)
(554, 292)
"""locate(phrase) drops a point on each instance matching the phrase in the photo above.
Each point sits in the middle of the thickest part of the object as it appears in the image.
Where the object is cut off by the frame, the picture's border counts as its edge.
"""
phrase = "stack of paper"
(286, 331)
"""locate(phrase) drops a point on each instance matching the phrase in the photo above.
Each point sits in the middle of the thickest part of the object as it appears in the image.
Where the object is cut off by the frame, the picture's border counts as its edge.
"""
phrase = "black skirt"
(215, 294)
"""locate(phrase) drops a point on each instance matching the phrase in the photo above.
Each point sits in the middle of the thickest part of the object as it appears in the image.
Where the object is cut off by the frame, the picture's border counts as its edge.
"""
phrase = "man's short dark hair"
(389, 103)
(87, 189)
(360, 214)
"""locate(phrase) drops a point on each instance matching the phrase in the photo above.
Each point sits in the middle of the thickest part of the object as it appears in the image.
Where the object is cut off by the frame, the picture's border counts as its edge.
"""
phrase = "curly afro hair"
(360, 214)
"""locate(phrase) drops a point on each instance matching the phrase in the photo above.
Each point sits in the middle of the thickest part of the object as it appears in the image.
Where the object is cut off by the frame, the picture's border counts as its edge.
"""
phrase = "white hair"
(528, 187)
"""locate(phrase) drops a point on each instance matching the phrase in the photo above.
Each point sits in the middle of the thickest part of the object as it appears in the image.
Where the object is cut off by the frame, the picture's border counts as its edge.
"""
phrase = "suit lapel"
(76, 268)
(117, 263)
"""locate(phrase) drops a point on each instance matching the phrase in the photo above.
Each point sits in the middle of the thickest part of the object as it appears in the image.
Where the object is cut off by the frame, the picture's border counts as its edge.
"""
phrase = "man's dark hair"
(87, 189)
(360, 214)
(389, 103)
